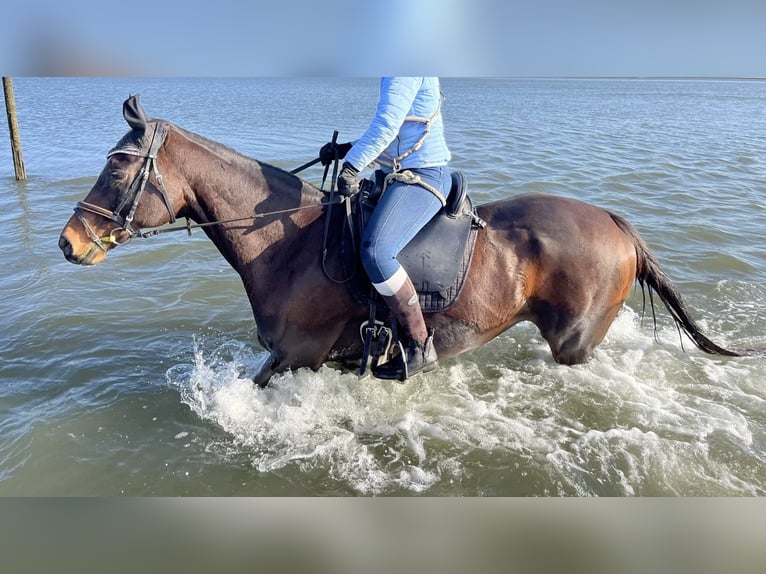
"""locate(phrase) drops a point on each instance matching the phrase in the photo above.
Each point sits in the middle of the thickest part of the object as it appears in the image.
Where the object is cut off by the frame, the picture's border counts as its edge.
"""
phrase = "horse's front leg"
(267, 370)
(296, 347)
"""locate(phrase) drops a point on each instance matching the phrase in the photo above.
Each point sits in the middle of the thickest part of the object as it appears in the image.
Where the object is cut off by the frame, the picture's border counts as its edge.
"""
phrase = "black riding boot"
(417, 354)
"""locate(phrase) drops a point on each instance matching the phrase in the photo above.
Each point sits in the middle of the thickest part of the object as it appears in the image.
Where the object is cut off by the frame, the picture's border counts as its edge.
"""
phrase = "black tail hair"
(652, 278)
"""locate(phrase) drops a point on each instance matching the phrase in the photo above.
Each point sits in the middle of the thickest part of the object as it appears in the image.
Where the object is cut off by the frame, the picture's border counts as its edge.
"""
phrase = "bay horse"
(564, 265)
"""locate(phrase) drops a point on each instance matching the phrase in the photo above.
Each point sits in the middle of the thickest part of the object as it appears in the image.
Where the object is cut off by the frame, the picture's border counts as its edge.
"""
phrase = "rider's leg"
(402, 212)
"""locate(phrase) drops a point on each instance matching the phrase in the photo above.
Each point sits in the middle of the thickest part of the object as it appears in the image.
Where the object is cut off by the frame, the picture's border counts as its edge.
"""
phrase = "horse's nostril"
(65, 246)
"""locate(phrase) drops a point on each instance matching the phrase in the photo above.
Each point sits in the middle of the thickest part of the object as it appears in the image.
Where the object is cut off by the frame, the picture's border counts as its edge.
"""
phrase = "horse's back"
(553, 215)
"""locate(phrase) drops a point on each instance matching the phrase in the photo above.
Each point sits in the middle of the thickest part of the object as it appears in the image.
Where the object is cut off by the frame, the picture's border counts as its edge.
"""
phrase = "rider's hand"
(327, 153)
(348, 180)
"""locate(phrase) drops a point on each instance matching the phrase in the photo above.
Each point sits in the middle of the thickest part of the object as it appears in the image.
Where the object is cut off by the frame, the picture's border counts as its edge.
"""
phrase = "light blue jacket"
(394, 131)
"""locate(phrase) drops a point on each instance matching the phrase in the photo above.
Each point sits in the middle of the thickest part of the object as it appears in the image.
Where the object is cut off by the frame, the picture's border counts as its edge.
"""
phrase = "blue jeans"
(403, 210)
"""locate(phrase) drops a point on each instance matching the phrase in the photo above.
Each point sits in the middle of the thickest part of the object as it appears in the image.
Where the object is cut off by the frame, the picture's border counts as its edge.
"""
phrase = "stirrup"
(410, 361)
(376, 337)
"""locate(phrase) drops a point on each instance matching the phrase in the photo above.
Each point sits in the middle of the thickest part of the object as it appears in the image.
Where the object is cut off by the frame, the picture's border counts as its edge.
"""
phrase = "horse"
(564, 265)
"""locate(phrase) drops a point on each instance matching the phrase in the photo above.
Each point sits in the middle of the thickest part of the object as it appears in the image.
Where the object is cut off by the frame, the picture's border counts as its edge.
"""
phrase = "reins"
(332, 201)
(126, 230)
(189, 225)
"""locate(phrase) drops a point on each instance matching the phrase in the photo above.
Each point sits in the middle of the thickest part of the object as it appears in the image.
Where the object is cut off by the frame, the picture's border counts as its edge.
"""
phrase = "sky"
(529, 38)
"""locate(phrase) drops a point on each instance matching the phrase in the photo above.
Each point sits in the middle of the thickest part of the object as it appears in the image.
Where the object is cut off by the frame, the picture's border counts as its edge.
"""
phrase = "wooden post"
(13, 127)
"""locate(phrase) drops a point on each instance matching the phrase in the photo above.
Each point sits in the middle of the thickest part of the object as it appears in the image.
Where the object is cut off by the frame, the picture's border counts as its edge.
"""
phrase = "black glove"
(348, 180)
(327, 153)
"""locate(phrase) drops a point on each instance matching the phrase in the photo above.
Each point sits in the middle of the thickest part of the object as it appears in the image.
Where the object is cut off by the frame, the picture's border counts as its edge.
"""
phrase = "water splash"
(642, 418)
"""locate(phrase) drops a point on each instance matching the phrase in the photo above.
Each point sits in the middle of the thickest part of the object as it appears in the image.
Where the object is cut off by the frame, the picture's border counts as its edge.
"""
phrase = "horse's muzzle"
(90, 256)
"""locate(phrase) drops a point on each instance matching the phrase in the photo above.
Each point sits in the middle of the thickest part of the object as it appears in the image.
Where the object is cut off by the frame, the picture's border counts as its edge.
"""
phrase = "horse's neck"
(262, 197)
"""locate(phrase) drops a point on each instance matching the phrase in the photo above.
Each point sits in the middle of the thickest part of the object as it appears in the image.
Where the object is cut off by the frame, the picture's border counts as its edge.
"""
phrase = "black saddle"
(437, 259)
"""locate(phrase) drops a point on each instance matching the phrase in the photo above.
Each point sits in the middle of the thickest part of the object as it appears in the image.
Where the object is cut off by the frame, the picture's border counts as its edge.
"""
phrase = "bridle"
(126, 230)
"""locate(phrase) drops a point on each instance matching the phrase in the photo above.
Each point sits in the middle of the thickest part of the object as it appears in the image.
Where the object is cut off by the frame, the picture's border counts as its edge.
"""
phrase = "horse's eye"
(117, 167)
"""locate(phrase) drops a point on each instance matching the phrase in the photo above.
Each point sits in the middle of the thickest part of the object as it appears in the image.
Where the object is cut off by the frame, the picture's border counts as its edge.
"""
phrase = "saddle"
(437, 259)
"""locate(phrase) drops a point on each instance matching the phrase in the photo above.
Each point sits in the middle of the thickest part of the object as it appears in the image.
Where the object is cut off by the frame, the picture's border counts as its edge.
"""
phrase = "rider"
(406, 138)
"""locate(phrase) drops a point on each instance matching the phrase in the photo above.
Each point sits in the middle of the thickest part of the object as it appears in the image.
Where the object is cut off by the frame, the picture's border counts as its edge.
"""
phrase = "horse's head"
(129, 194)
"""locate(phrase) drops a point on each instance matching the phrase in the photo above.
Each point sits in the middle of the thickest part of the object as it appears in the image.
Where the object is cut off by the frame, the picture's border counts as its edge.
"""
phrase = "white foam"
(635, 420)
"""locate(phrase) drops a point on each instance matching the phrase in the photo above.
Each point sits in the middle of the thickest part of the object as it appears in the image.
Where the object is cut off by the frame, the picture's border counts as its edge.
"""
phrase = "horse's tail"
(649, 275)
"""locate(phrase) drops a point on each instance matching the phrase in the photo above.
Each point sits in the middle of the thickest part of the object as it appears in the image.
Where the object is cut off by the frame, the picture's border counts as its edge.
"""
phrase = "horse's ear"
(134, 114)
